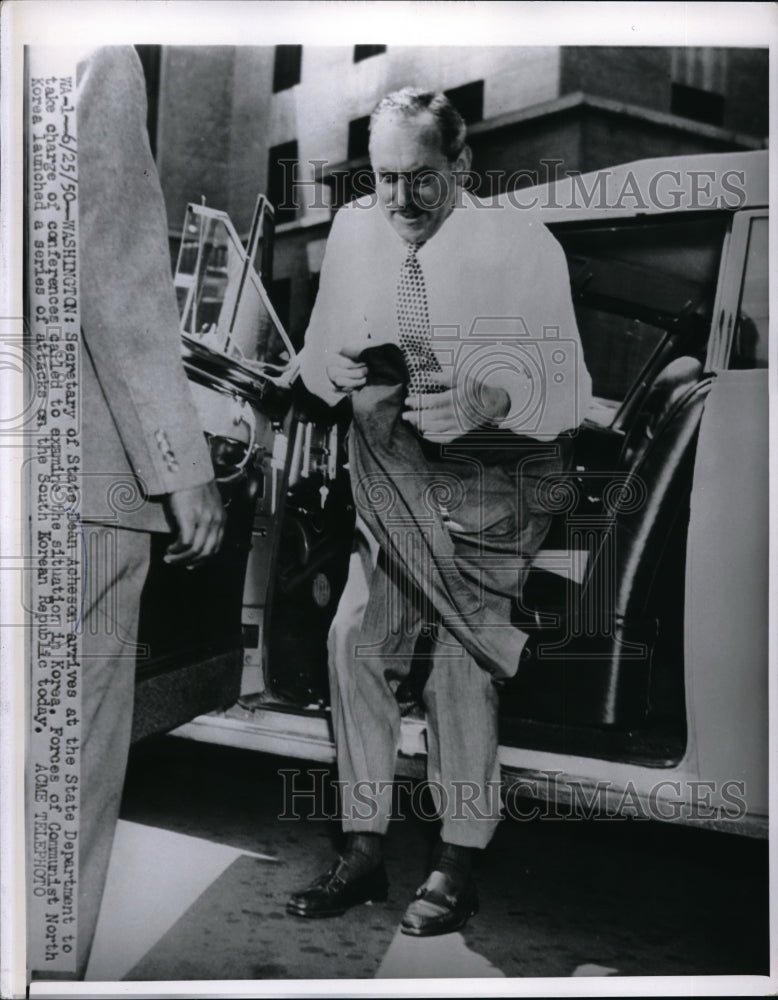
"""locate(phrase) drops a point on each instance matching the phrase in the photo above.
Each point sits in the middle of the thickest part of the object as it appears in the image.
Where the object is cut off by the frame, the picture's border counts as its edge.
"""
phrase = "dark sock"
(454, 861)
(363, 852)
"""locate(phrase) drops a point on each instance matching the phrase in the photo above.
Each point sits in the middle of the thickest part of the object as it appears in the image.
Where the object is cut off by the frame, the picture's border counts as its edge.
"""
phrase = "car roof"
(710, 181)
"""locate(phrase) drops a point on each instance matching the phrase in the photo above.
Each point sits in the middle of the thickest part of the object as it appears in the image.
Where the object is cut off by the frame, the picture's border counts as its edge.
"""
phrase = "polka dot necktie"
(414, 326)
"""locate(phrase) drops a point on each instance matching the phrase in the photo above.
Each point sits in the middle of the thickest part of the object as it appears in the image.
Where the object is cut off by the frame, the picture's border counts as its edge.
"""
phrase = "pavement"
(202, 867)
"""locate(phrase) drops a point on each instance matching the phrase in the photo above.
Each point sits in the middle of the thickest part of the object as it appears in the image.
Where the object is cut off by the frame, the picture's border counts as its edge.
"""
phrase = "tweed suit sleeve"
(129, 316)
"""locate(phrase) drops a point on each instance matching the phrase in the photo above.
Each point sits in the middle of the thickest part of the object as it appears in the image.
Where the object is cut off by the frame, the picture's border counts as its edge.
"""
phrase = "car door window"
(643, 292)
(616, 349)
(750, 342)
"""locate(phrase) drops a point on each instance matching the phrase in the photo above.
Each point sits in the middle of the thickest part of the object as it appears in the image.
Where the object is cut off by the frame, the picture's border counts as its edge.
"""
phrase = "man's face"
(415, 182)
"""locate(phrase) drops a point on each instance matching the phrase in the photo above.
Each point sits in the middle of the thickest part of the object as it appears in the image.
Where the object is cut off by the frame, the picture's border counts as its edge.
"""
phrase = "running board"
(307, 736)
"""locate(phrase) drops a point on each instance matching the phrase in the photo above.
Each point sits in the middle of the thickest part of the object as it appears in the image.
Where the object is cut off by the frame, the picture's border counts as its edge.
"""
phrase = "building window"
(280, 292)
(366, 51)
(346, 185)
(358, 137)
(282, 169)
(701, 105)
(287, 67)
(313, 288)
(699, 79)
(468, 100)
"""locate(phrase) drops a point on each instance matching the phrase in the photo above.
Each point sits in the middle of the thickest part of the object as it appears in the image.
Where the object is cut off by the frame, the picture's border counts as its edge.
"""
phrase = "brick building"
(230, 121)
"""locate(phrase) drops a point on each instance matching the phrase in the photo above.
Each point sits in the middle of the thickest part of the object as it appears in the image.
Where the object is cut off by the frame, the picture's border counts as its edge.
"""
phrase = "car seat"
(592, 663)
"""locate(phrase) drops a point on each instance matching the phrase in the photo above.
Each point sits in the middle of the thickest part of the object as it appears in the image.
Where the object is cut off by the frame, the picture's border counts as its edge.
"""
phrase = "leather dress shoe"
(337, 890)
(438, 908)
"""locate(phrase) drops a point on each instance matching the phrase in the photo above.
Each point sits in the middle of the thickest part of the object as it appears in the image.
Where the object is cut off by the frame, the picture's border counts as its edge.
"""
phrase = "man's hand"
(444, 416)
(200, 519)
(347, 373)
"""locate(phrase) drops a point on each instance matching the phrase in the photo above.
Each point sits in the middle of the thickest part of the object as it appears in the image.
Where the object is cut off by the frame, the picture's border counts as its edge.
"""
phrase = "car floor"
(203, 864)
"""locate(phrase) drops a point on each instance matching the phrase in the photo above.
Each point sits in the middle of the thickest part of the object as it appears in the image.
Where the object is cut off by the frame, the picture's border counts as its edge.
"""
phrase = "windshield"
(222, 302)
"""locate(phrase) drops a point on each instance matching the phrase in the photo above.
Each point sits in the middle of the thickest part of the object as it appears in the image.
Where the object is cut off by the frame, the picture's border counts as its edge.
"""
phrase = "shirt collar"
(443, 240)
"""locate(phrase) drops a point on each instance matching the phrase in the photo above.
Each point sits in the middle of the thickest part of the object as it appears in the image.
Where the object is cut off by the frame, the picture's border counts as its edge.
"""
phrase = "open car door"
(727, 578)
(240, 363)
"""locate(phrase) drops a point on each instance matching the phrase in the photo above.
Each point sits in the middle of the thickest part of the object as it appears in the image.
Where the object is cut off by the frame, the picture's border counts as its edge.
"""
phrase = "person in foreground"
(449, 323)
(140, 436)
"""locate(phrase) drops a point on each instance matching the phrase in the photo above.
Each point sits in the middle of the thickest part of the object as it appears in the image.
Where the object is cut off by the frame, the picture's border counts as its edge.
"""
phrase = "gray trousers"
(117, 568)
(460, 699)
(447, 537)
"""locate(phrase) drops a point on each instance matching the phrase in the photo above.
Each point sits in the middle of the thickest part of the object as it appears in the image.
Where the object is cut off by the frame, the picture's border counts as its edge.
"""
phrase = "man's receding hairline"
(410, 103)
(399, 116)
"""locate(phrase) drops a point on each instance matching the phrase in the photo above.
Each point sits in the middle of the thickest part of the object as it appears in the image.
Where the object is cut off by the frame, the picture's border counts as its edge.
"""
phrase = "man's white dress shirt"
(499, 304)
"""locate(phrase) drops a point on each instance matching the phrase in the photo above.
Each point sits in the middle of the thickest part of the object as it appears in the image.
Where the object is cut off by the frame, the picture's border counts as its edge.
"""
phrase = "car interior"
(605, 613)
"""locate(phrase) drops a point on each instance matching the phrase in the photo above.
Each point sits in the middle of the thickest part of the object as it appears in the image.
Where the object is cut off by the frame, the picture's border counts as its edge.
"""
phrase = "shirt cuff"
(313, 372)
